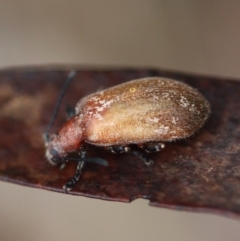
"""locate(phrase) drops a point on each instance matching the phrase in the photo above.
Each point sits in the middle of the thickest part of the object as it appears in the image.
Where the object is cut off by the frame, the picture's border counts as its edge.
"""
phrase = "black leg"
(125, 149)
(152, 147)
(118, 149)
(70, 184)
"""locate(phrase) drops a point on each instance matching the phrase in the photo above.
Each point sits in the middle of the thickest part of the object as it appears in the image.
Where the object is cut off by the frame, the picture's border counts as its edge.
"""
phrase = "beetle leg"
(125, 149)
(148, 148)
(70, 184)
(118, 149)
(152, 147)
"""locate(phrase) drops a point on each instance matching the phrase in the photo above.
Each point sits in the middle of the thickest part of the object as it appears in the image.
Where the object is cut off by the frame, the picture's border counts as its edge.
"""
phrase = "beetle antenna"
(70, 76)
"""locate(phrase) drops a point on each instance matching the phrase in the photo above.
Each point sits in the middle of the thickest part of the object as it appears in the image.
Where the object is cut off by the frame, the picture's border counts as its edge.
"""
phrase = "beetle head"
(53, 151)
(67, 140)
(57, 155)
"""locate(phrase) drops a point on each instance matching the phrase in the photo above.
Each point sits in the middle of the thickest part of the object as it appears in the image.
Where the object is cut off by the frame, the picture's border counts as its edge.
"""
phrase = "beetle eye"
(55, 156)
(54, 152)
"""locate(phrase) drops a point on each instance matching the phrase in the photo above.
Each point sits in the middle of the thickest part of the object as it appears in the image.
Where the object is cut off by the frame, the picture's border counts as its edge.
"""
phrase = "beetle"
(147, 112)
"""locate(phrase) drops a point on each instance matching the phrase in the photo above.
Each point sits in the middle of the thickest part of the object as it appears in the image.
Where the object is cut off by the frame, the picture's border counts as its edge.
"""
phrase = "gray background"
(194, 36)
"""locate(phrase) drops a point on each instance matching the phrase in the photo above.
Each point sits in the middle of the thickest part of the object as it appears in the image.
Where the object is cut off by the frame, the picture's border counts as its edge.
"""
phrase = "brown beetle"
(146, 112)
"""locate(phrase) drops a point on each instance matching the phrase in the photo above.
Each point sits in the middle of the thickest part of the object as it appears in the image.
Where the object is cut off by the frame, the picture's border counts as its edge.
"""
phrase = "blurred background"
(191, 36)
